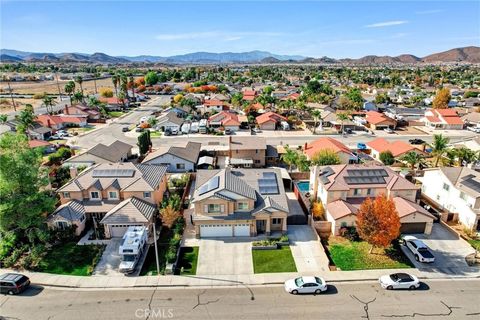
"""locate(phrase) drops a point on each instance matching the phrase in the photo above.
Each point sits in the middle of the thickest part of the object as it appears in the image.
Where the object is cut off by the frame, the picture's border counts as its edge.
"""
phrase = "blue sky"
(316, 28)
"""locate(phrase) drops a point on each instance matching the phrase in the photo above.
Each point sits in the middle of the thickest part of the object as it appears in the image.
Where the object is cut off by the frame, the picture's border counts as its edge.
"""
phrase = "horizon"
(320, 29)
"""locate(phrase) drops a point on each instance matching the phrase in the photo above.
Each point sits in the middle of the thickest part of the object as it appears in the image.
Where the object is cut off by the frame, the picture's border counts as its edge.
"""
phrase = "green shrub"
(171, 255)
(9, 240)
(176, 239)
(284, 238)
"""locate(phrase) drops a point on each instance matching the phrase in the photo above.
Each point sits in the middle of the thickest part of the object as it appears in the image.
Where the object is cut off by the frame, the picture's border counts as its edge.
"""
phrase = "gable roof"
(131, 210)
(247, 143)
(446, 116)
(225, 118)
(323, 144)
(375, 117)
(170, 116)
(70, 211)
(112, 153)
(270, 116)
(46, 119)
(397, 148)
(188, 152)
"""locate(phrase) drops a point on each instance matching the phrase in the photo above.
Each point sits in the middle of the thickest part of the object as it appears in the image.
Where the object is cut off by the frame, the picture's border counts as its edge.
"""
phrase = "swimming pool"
(303, 186)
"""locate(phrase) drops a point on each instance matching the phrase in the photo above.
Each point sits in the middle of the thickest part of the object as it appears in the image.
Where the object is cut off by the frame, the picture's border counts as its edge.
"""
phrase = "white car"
(419, 249)
(257, 130)
(388, 130)
(306, 285)
(399, 281)
(474, 129)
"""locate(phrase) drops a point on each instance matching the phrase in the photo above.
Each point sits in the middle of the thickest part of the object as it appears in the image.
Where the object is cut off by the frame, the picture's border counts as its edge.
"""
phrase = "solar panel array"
(472, 184)
(268, 184)
(103, 173)
(368, 176)
(211, 185)
(469, 176)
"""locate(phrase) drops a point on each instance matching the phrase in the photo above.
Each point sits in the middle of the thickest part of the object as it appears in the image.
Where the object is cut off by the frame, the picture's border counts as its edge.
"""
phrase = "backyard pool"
(303, 186)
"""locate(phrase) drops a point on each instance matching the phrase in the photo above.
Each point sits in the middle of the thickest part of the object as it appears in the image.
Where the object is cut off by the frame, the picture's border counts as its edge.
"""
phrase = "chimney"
(49, 123)
(73, 172)
(305, 147)
(66, 110)
(230, 147)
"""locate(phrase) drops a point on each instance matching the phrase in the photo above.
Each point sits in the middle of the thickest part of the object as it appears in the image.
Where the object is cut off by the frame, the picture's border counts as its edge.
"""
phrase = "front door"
(260, 226)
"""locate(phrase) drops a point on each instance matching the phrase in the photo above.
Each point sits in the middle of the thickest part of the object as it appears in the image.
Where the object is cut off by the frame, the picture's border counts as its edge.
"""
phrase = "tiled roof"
(270, 116)
(188, 152)
(225, 118)
(247, 143)
(375, 117)
(112, 153)
(397, 148)
(70, 211)
(339, 209)
(323, 144)
(405, 208)
(38, 143)
(131, 210)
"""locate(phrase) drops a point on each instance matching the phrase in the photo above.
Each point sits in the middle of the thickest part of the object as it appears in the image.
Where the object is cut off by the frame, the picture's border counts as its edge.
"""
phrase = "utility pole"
(156, 249)
(58, 86)
(11, 96)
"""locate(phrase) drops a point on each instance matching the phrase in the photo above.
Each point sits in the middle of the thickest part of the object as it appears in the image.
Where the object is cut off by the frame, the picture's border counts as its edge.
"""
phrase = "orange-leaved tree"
(441, 99)
(318, 211)
(378, 222)
(169, 215)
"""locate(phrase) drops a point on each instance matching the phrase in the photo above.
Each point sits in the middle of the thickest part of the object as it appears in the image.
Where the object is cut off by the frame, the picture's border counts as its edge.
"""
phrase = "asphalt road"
(440, 299)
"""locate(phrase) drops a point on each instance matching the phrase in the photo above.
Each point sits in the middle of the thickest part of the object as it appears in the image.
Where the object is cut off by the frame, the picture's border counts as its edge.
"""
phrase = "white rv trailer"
(194, 127)
(186, 128)
(202, 126)
(131, 247)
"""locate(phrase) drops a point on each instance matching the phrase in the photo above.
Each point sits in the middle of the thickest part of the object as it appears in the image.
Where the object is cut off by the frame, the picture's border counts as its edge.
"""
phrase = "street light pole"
(156, 249)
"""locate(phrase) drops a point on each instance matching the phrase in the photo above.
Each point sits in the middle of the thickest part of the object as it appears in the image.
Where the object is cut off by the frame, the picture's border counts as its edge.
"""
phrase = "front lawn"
(188, 261)
(155, 134)
(71, 259)
(353, 255)
(475, 243)
(269, 261)
(115, 114)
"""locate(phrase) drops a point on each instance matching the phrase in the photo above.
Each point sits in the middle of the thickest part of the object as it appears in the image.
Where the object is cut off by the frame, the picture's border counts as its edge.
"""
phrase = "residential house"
(225, 119)
(116, 195)
(279, 94)
(246, 151)
(249, 95)
(170, 120)
(397, 148)
(117, 151)
(343, 188)
(457, 190)
(292, 96)
(379, 121)
(269, 120)
(471, 119)
(59, 122)
(342, 151)
(472, 102)
(239, 203)
(49, 148)
(370, 106)
(181, 158)
(114, 103)
(212, 106)
(446, 119)
(69, 214)
(411, 115)
(79, 110)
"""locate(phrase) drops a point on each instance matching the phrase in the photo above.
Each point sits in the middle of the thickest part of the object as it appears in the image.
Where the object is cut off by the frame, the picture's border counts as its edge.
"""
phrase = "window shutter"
(206, 208)
(222, 208)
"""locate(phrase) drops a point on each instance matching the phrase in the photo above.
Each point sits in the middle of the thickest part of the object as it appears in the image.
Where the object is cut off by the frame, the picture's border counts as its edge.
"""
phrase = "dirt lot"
(409, 131)
(6, 104)
(32, 87)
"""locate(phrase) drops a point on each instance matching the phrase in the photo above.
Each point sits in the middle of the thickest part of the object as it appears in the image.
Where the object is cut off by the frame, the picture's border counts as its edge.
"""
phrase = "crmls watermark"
(159, 313)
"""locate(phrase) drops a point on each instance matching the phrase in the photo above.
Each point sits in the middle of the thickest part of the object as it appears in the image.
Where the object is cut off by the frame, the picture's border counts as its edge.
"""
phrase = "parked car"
(228, 131)
(347, 131)
(125, 129)
(174, 132)
(306, 285)
(62, 133)
(361, 146)
(13, 283)
(416, 141)
(54, 137)
(388, 130)
(256, 130)
(139, 129)
(419, 249)
(474, 129)
(167, 132)
(399, 281)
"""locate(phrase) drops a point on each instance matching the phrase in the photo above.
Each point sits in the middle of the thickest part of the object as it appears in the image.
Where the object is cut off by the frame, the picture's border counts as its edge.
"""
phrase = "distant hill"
(465, 55)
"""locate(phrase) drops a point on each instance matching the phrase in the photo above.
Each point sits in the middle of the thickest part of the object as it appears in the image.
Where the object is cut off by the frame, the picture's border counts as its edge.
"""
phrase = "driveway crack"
(415, 314)
(203, 303)
(365, 306)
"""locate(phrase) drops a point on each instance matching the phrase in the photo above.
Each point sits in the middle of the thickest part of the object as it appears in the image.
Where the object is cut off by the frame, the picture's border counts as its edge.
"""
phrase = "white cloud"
(386, 24)
(220, 35)
(433, 11)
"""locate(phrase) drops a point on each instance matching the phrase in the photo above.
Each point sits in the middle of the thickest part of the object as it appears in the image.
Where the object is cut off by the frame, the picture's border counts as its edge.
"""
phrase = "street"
(439, 299)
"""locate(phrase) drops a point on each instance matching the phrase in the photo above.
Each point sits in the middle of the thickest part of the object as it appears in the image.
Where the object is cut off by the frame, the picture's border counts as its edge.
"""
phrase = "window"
(276, 221)
(243, 206)
(94, 195)
(147, 194)
(256, 150)
(180, 166)
(66, 195)
(112, 195)
(369, 192)
(356, 192)
(463, 196)
(62, 225)
(213, 208)
(256, 161)
(446, 187)
(82, 218)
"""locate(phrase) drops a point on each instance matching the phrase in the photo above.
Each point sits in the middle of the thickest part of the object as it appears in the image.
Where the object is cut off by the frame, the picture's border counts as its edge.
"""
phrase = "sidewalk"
(116, 282)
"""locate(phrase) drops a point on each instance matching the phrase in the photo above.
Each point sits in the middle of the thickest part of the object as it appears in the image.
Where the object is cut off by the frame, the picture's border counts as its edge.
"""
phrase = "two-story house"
(456, 190)
(182, 158)
(246, 152)
(239, 202)
(116, 151)
(343, 188)
(116, 195)
(342, 151)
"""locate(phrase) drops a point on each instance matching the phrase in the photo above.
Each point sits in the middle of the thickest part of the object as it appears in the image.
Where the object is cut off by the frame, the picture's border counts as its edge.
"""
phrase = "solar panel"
(472, 184)
(367, 173)
(113, 173)
(364, 180)
(211, 185)
(467, 177)
(269, 175)
(269, 184)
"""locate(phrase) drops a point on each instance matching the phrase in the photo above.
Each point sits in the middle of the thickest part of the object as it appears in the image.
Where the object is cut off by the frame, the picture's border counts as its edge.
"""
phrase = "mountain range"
(465, 54)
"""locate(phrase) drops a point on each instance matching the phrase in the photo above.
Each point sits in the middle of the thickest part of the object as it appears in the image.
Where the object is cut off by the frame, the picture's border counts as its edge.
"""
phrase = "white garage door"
(242, 230)
(217, 230)
(118, 230)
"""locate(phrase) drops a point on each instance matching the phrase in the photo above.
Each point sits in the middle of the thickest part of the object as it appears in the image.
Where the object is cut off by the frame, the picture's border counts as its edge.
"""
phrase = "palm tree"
(79, 80)
(449, 159)
(412, 158)
(290, 157)
(466, 156)
(93, 102)
(78, 96)
(48, 103)
(439, 147)
(115, 80)
(317, 115)
(132, 84)
(342, 116)
(69, 89)
(95, 77)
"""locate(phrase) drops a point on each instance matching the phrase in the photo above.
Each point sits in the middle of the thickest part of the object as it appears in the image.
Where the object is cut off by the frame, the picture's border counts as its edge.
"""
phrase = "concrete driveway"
(307, 251)
(449, 252)
(110, 261)
(225, 256)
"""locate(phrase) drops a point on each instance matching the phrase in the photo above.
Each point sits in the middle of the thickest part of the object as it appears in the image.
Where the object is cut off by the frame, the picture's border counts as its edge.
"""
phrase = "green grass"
(150, 265)
(61, 141)
(188, 261)
(115, 114)
(269, 261)
(155, 134)
(71, 259)
(349, 255)
(475, 243)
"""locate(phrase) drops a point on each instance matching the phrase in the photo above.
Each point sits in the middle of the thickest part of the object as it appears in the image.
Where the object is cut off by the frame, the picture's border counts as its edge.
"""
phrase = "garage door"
(215, 230)
(242, 230)
(418, 227)
(118, 230)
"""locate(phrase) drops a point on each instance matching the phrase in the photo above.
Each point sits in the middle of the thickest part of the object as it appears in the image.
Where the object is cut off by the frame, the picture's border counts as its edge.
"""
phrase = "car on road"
(361, 146)
(125, 129)
(306, 285)
(416, 141)
(399, 281)
(419, 250)
(474, 129)
(139, 129)
(228, 131)
(388, 130)
(174, 132)
(13, 283)
(256, 130)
